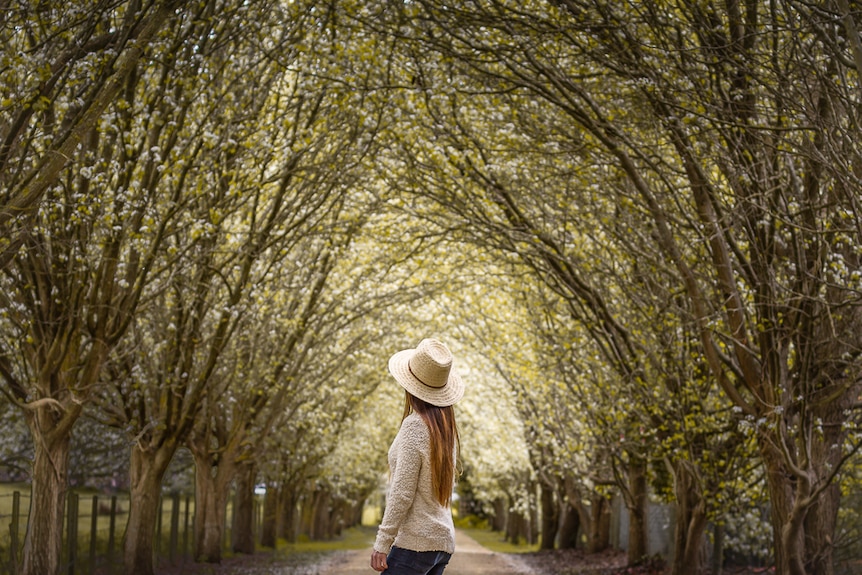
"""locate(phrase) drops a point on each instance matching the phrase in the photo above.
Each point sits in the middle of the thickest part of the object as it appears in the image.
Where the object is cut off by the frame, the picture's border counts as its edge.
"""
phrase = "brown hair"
(444, 440)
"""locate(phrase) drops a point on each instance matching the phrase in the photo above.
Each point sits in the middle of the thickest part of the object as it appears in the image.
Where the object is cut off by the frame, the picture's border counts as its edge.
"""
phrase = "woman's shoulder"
(414, 426)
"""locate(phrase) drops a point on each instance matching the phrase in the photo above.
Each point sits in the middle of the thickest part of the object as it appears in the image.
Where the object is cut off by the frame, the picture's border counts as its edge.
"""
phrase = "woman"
(417, 535)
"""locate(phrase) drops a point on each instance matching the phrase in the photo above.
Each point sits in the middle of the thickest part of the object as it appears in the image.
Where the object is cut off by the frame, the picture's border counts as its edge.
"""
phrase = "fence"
(93, 528)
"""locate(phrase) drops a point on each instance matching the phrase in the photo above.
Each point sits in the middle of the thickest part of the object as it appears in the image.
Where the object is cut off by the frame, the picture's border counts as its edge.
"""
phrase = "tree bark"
(341, 515)
(513, 524)
(570, 527)
(44, 539)
(691, 522)
(211, 493)
(500, 512)
(802, 526)
(287, 525)
(820, 523)
(320, 526)
(550, 517)
(822, 517)
(599, 537)
(532, 523)
(781, 504)
(145, 483)
(270, 516)
(306, 514)
(637, 550)
(243, 515)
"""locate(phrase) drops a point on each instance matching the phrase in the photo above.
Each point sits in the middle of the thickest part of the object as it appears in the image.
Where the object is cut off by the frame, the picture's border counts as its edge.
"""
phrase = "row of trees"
(682, 180)
(181, 193)
(643, 220)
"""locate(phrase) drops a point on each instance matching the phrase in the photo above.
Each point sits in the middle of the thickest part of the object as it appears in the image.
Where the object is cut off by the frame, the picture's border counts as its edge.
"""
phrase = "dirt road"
(470, 558)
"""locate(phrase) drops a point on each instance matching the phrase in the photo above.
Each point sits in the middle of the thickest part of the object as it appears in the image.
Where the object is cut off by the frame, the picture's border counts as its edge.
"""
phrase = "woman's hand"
(378, 561)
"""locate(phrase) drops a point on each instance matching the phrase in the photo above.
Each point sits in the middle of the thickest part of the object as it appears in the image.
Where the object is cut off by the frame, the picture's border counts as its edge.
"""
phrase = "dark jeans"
(407, 562)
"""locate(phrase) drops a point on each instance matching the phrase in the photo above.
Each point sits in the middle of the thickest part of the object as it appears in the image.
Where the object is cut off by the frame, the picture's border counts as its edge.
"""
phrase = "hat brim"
(444, 396)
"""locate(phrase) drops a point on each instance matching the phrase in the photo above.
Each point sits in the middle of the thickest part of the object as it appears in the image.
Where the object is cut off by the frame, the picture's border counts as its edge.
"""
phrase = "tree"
(77, 263)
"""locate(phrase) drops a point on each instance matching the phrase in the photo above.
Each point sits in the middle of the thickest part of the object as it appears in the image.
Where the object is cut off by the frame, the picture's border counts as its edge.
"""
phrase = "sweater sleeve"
(403, 481)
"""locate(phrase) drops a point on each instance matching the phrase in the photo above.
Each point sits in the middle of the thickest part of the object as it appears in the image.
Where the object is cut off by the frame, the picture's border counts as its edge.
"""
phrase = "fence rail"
(94, 526)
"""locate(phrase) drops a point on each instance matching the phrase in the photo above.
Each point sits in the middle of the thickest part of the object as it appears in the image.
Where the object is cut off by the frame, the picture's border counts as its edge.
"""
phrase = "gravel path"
(470, 558)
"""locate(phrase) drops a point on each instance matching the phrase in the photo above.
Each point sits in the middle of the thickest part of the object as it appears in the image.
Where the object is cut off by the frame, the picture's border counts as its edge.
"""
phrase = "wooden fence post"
(94, 531)
(72, 533)
(186, 527)
(225, 541)
(159, 526)
(257, 519)
(112, 525)
(13, 533)
(175, 525)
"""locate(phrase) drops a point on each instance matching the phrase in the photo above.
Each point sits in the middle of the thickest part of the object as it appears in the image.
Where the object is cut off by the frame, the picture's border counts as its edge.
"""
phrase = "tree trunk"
(693, 555)
(340, 515)
(320, 526)
(532, 524)
(594, 519)
(211, 493)
(358, 511)
(287, 525)
(145, 483)
(599, 537)
(690, 522)
(500, 512)
(43, 542)
(550, 517)
(306, 515)
(802, 535)
(513, 524)
(820, 525)
(637, 550)
(270, 516)
(822, 517)
(785, 540)
(570, 526)
(243, 515)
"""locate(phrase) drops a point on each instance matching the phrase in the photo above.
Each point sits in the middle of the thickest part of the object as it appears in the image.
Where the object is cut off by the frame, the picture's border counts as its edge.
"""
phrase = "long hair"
(444, 441)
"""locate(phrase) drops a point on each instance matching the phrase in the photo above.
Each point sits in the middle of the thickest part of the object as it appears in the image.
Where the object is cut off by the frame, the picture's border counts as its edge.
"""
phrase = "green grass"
(495, 541)
(351, 539)
(479, 529)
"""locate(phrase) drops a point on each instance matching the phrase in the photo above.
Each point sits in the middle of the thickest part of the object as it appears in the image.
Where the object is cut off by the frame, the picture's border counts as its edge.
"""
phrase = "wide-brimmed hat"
(427, 373)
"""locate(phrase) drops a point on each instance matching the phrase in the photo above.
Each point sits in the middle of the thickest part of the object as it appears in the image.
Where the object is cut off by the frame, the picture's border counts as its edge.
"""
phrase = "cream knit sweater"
(413, 519)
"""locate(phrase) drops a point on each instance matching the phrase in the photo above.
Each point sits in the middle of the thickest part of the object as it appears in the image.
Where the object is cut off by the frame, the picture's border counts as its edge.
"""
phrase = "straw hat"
(427, 373)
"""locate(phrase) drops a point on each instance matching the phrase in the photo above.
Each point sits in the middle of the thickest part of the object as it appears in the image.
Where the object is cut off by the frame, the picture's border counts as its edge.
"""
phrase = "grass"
(351, 539)
(496, 541)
